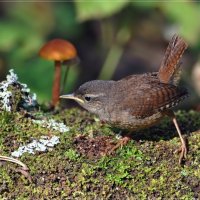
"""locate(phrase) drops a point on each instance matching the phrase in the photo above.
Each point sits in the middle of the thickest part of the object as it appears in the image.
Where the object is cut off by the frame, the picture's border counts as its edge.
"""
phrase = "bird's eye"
(87, 98)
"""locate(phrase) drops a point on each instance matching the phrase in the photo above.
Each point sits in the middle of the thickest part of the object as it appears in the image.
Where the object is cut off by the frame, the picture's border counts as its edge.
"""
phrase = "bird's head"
(92, 95)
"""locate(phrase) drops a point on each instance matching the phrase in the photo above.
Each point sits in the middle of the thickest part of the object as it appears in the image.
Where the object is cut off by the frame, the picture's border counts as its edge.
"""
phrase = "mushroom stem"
(56, 83)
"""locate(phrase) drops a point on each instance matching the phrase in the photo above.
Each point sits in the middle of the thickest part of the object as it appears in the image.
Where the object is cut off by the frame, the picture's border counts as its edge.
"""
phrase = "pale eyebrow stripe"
(95, 95)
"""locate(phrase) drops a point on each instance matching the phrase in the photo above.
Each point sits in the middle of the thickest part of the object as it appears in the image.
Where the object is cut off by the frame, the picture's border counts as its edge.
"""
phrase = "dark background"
(113, 39)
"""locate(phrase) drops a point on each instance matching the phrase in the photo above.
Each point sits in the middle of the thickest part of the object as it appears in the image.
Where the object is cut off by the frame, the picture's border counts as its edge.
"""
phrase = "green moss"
(145, 168)
(71, 154)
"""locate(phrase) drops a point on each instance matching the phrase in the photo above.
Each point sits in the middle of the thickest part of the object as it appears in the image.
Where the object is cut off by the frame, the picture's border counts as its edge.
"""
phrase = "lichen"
(52, 124)
(15, 95)
(42, 144)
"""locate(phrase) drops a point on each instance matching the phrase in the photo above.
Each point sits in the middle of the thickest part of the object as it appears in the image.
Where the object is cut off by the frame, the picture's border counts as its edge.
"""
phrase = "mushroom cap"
(59, 50)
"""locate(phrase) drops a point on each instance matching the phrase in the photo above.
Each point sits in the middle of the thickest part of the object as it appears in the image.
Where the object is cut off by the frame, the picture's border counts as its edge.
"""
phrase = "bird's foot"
(183, 152)
(123, 141)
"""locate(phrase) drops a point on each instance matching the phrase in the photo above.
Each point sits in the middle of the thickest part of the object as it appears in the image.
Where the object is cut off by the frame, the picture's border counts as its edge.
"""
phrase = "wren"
(138, 101)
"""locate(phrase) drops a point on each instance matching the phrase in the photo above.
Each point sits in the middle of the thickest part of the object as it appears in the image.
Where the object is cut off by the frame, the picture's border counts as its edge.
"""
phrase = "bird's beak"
(71, 96)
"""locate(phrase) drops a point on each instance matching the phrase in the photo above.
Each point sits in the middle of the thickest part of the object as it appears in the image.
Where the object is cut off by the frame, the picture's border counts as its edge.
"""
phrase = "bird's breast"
(126, 121)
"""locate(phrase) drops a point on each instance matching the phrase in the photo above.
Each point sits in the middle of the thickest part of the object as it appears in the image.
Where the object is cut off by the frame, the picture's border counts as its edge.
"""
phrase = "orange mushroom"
(57, 50)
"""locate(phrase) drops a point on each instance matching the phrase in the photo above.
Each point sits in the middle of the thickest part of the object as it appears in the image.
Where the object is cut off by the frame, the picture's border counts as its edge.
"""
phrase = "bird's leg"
(183, 148)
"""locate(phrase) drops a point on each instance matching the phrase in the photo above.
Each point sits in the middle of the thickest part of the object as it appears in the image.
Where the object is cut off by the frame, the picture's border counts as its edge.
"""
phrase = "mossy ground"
(76, 168)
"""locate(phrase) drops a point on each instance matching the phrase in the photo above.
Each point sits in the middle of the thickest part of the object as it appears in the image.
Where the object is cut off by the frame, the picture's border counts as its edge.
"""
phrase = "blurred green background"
(113, 39)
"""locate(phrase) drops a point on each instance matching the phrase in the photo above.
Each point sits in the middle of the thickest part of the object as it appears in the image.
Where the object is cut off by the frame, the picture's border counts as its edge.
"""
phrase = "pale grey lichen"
(12, 77)
(45, 142)
(4, 98)
(8, 90)
(41, 145)
(52, 124)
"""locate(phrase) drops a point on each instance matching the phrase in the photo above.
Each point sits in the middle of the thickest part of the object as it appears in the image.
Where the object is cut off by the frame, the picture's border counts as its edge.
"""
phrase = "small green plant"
(118, 169)
(131, 152)
(71, 154)
(5, 118)
(120, 173)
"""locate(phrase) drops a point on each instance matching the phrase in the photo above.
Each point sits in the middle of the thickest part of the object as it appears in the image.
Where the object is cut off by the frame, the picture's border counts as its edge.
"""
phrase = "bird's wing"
(142, 99)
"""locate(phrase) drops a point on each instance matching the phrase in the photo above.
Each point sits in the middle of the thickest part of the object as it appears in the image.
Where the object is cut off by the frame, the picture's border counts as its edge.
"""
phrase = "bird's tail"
(170, 67)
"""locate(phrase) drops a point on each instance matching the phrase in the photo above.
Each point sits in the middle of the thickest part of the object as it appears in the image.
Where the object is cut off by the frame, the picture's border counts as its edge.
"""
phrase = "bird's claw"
(183, 152)
(119, 144)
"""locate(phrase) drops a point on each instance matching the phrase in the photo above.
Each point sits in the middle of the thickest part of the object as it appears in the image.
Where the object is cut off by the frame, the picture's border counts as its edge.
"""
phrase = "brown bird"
(138, 101)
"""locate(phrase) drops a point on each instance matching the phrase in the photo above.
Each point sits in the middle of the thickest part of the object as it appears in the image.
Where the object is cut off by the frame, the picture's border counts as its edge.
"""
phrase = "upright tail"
(170, 67)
